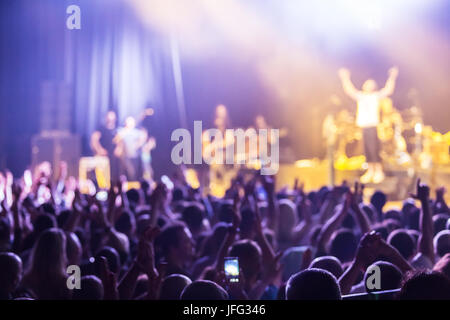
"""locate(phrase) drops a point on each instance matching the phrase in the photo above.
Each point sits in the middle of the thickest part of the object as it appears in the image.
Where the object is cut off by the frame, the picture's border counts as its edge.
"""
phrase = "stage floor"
(397, 184)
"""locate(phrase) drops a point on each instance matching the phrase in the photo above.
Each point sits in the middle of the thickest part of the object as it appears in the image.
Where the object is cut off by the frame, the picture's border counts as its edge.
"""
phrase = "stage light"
(418, 128)
(368, 14)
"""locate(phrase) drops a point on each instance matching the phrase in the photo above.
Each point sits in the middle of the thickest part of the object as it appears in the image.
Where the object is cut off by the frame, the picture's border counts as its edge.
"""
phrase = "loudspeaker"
(54, 148)
(55, 106)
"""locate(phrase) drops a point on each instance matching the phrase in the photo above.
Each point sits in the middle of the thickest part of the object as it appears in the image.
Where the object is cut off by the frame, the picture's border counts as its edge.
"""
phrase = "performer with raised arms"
(368, 117)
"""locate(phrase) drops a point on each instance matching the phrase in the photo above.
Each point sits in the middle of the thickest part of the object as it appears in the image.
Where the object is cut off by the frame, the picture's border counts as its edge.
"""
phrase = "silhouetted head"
(313, 284)
(175, 241)
(439, 222)
(204, 290)
(112, 257)
(91, 289)
(126, 223)
(415, 235)
(390, 276)
(133, 196)
(173, 285)
(193, 216)
(226, 212)
(393, 214)
(62, 218)
(442, 243)
(111, 119)
(49, 257)
(401, 240)
(213, 242)
(11, 273)
(288, 216)
(343, 245)
(249, 254)
(5, 234)
(328, 263)
(369, 86)
(378, 200)
(425, 285)
(44, 222)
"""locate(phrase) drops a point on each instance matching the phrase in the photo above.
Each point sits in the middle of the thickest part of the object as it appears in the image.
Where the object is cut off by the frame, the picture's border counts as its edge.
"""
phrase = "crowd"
(170, 242)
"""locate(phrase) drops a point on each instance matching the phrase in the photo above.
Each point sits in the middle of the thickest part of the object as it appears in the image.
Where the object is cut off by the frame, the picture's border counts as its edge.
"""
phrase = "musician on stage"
(130, 141)
(368, 117)
(102, 142)
(222, 123)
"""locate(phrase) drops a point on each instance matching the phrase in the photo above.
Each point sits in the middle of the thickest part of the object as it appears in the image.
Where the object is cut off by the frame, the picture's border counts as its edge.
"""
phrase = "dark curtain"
(113, 62)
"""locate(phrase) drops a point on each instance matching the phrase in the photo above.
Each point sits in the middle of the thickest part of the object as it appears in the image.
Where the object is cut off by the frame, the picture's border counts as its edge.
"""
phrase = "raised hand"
(367, 249)
(440, 192)
(268, 184)
(422, 192)
(109, 280)
(344, 73)
(16, 191)
(393, 72)
(236, 211)
(272, 272)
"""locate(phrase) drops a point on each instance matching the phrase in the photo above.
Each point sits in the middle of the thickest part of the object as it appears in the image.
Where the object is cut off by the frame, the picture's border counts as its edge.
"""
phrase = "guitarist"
(102, 143)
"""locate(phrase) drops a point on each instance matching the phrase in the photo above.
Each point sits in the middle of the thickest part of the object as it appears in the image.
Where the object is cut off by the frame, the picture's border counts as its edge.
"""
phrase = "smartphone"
(261, 193)
(102, 195)
(231, 267)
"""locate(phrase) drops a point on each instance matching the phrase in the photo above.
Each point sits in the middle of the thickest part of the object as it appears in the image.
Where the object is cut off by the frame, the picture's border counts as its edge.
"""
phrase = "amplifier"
(55, 147)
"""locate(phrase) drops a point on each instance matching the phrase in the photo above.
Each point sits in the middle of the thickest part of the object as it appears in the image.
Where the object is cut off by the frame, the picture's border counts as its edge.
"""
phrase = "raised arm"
(331, 225)
(390, 83)
(426, 223)
(347, 84)
(361, 217)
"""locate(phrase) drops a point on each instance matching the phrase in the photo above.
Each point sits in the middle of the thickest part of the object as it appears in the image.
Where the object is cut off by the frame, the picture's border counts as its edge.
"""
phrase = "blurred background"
(183, 58)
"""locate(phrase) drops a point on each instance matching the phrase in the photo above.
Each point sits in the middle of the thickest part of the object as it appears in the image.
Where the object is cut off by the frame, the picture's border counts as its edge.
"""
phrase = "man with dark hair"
(177, 248)
(102, 142)
(328, 263)
(204, 290)
(426, 285)
(313, 284)
(250, 258)
(442, 243)
(378, 200)
(343, 245)
(91, 289)
(401, 240)
(172, 286)
(193, 216)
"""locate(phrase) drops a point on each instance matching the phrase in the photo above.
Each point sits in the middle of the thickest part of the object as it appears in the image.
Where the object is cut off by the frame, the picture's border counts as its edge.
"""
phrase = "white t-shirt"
(131, 141)
(368, 112)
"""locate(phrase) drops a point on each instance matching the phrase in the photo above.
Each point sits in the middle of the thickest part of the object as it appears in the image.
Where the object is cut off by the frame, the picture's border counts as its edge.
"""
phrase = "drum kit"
(405, 141)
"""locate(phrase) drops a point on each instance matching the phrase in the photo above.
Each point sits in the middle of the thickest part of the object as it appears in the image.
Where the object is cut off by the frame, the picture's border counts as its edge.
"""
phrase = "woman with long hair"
(46, 276)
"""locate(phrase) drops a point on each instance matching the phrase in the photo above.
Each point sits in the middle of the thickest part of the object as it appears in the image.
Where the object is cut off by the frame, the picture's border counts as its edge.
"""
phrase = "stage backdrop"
(113, 62)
